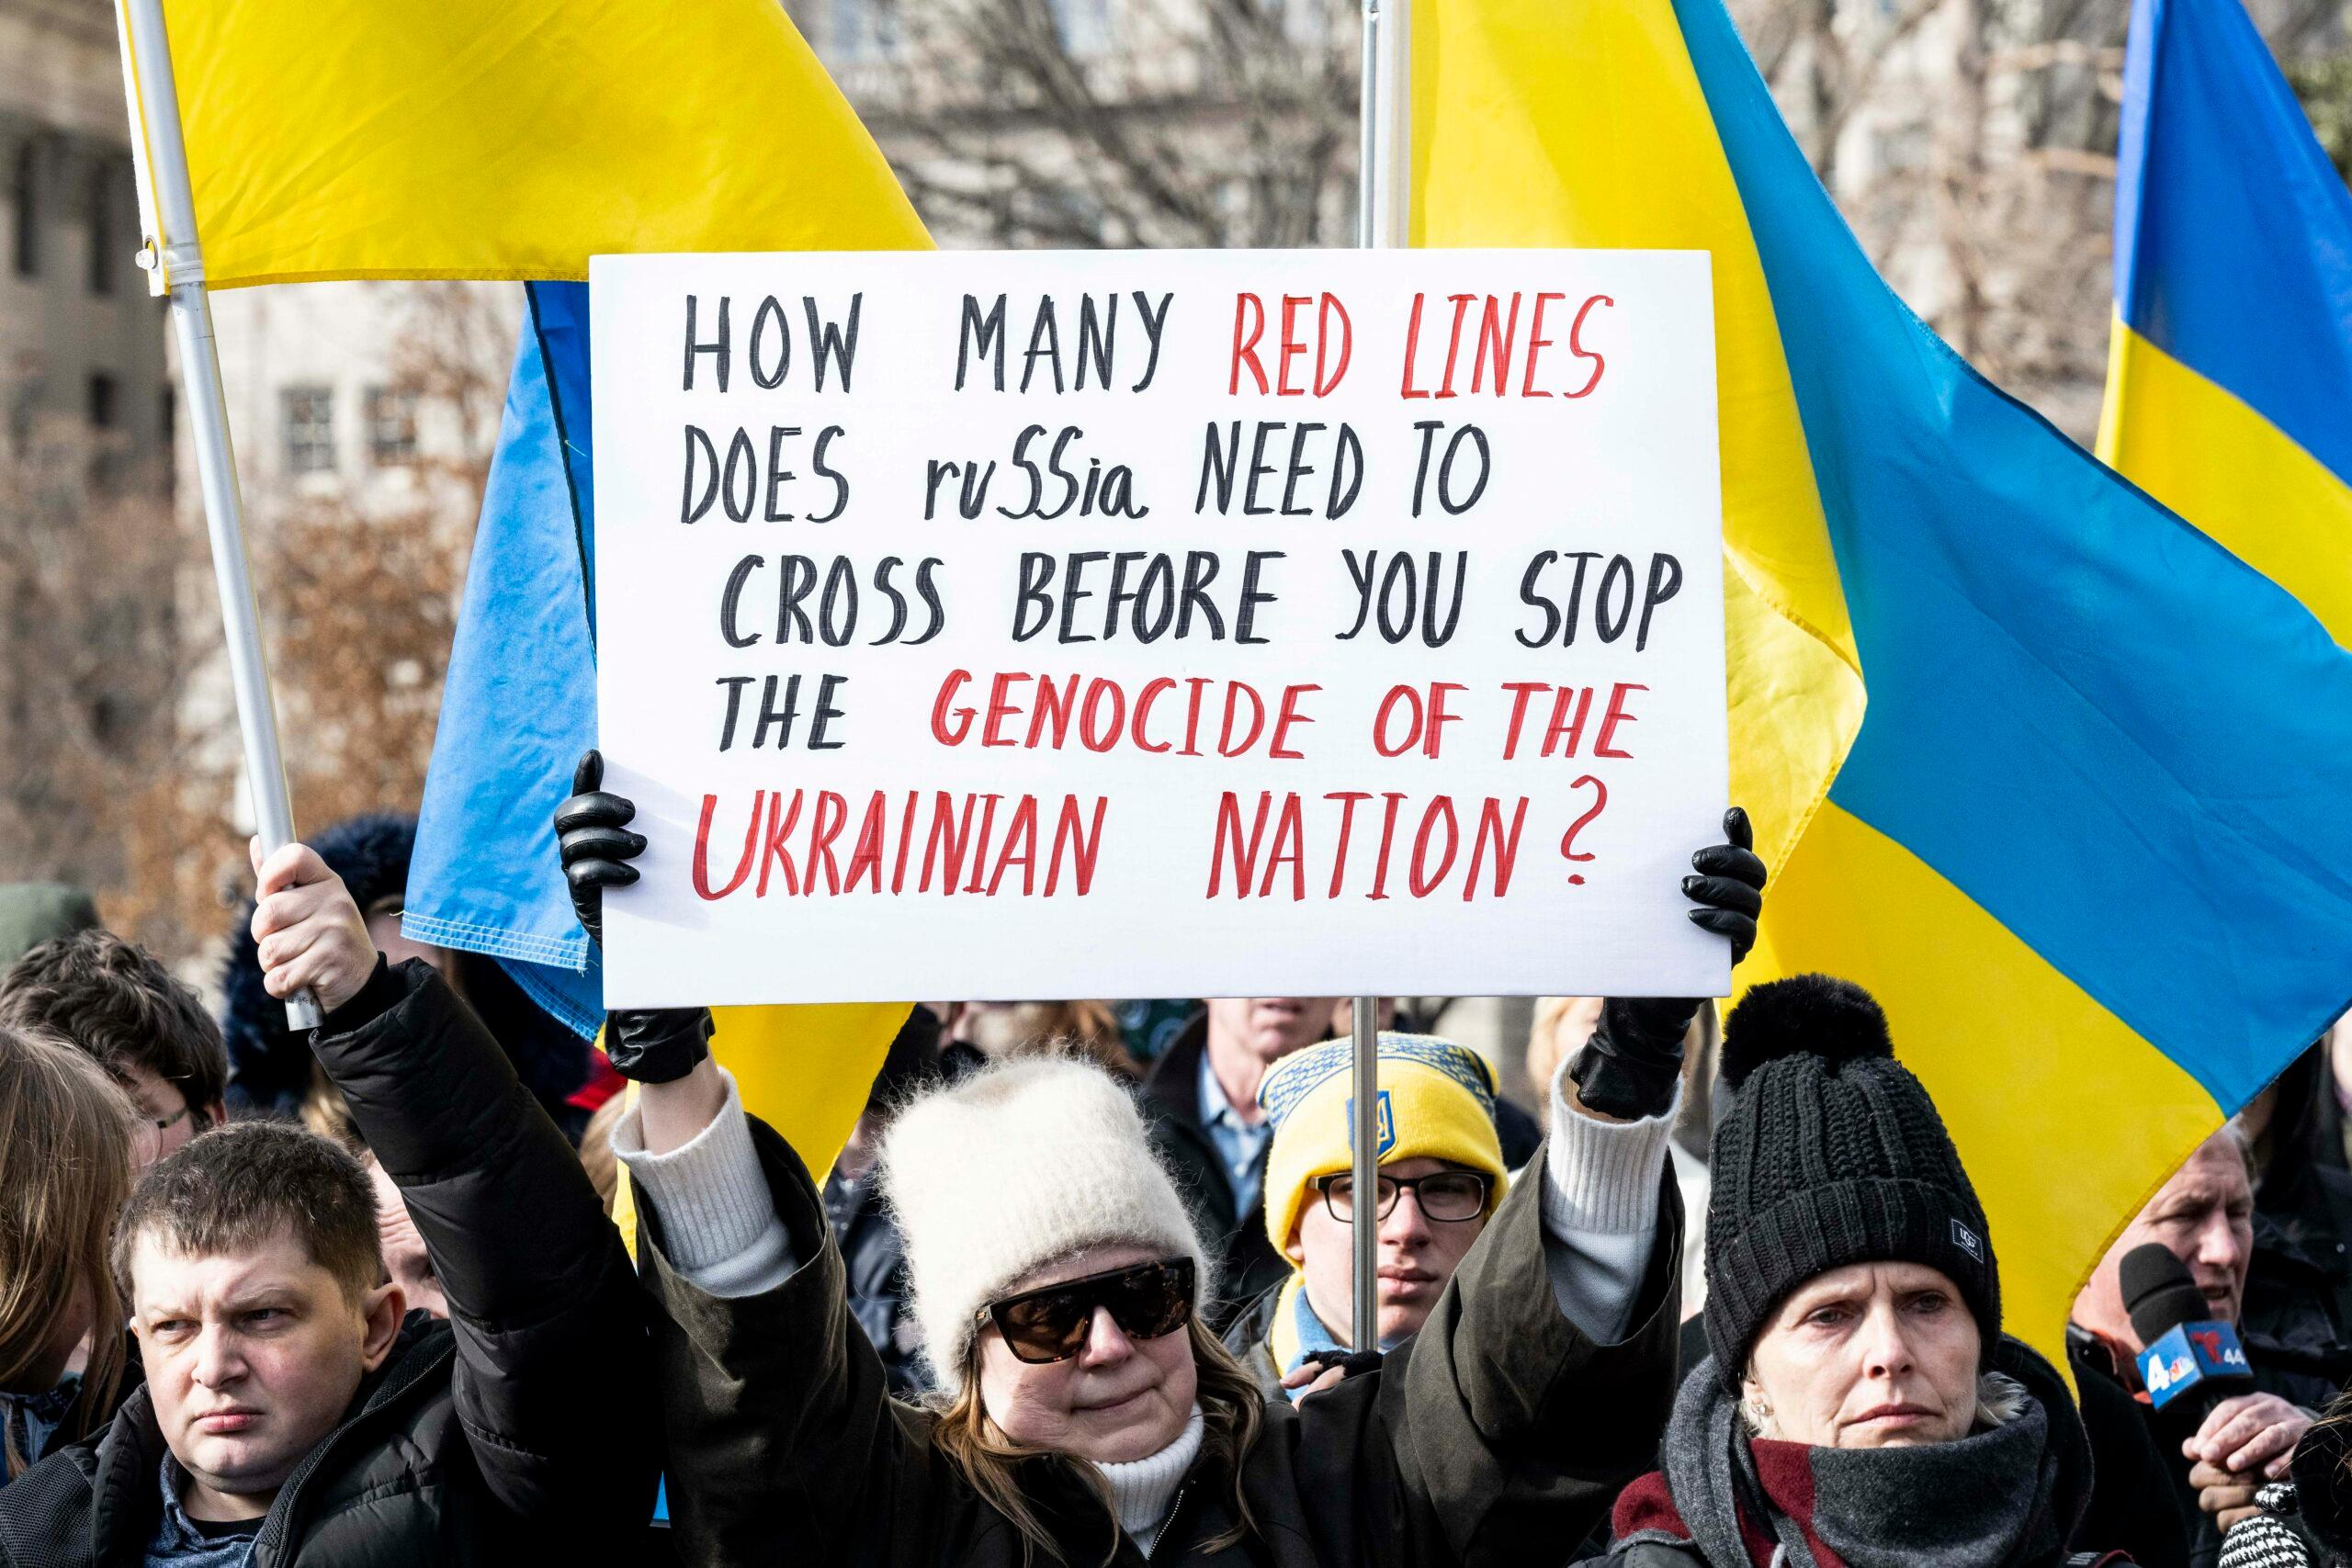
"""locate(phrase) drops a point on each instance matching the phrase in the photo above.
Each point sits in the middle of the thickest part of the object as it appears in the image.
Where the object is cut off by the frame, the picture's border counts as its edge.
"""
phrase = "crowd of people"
(1079, 1288)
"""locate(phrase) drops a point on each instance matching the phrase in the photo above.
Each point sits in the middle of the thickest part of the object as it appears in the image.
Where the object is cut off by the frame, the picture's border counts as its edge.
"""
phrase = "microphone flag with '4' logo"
(2188, 1355)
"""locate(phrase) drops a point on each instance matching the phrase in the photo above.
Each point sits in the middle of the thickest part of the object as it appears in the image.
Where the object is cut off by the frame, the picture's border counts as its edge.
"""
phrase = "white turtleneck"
(1143, 1489)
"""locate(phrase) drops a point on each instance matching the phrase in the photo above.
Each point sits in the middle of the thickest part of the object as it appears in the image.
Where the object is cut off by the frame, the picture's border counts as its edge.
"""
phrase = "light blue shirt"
(1241, 1145)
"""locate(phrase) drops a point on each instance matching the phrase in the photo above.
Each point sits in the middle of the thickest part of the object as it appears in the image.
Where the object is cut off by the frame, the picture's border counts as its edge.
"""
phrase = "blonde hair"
(1086, 1029)
(1701, 1051)
(1233, 1412)
(66, 1132)
(1544, 1049)
(325, 1111)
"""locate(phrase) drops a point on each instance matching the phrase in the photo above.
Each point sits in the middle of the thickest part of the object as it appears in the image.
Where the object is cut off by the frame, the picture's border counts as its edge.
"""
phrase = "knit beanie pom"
(1812, 1015)
(1829, 1153)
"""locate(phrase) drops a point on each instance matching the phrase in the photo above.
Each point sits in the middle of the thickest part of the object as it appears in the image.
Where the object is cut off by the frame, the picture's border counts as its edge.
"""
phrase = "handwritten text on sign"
(1158, 623)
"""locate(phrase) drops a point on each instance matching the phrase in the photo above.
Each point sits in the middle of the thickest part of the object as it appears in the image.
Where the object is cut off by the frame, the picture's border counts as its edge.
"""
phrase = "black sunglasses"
(1051, 1324)
(1447, 1196)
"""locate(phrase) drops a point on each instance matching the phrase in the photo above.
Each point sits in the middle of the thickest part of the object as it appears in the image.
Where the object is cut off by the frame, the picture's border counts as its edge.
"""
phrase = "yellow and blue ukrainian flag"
(518, 706)
(2056, 776)
(385, 138)
(2229, 394)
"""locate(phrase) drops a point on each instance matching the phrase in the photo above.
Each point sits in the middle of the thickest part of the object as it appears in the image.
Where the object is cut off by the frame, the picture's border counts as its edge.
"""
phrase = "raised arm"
(782, 1440)
(1542, 1382)
(553, 1377)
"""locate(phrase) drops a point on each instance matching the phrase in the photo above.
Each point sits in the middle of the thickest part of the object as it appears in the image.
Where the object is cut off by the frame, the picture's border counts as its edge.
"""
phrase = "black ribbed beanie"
(1830, 1153)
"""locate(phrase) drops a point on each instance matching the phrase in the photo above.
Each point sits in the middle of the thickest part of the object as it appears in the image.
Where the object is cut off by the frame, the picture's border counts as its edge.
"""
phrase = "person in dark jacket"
(293, 1413)
(270, 1069)
(1086, 1413)
(874, 1258)
(2321, 1469)
(1216, 1145)
(2298, 1285)
(1442, 1176)
(1860, 1405)
(1201, 1098)
(2204, 1213)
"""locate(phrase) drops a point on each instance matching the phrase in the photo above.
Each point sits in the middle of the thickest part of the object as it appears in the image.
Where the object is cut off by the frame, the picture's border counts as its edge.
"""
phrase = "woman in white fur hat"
(1087, 1415)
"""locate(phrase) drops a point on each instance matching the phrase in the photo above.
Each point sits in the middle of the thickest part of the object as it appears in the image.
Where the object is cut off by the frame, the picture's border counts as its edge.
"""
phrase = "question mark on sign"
(1568, 850)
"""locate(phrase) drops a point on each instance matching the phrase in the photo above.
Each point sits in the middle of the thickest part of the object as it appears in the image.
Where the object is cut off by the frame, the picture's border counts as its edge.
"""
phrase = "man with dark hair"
(261, 1305)
(114, 1001)
(295, 1413)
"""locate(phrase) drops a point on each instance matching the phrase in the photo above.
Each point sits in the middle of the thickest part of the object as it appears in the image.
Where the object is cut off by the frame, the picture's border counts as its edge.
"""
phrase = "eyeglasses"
(1447, 1196)
(166, 1124)
(1051, 1324)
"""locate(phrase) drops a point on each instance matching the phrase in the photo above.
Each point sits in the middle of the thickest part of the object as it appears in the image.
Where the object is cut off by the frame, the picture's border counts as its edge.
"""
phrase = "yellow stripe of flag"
(388, 139)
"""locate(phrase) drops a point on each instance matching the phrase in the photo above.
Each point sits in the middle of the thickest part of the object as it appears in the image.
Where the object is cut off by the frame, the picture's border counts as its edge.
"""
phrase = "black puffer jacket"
(521, 1430)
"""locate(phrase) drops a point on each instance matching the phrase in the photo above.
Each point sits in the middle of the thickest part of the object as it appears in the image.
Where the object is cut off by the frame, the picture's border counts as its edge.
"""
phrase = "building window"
(25, 200)
(391, 425)
(103, 239)
(859, 30)
(309, 417)
(106, 402)
(1083, 25)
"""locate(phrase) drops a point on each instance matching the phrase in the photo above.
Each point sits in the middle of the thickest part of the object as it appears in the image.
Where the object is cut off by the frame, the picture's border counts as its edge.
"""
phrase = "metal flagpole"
(175, 266)
(1382, 207)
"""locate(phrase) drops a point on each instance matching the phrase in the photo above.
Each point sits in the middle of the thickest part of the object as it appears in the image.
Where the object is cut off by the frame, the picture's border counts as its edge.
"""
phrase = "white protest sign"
(1142, 623)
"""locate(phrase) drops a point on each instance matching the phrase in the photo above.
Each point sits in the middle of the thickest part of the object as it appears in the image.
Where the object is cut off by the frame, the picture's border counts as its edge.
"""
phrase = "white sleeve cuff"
(1601, 1178)
(719, 1226)
(1601, 1187)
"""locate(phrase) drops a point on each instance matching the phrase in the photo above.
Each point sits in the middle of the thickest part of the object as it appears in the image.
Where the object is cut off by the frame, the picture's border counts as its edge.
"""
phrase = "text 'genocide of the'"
(1366, 590)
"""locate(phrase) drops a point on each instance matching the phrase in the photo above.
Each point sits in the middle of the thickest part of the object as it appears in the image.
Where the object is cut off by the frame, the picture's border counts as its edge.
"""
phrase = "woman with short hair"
(1861, 1404)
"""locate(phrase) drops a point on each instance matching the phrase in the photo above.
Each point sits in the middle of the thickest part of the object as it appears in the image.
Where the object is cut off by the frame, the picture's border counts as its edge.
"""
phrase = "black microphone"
(2192, 1361)
(2264, 1540)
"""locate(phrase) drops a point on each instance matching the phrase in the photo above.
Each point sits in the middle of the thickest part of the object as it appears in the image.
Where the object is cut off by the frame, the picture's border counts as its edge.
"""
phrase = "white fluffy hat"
(1019, 1164)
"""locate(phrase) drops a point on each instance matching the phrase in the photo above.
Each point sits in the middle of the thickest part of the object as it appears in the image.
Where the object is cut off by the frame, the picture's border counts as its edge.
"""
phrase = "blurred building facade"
(80, 339)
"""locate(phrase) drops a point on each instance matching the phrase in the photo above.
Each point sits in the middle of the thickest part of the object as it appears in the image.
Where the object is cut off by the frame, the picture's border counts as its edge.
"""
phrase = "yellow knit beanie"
(1437, 1101)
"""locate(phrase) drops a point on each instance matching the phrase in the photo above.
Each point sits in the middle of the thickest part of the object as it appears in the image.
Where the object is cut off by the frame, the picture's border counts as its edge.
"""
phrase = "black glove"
(591, 832)
(1629, 1068)
(1728, 888)
(657, 1044)
(1352, 1363)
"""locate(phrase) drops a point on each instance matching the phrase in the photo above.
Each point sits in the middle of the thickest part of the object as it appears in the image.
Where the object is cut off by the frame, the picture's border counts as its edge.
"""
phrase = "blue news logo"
(2187, 1355)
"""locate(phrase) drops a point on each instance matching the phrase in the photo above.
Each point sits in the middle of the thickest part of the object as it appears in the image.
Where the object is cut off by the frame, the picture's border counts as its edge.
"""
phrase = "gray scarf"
(2002, 1496)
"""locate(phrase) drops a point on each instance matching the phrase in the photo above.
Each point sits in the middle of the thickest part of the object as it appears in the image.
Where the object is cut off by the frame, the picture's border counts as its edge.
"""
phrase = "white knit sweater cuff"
(1601, 1178)
(719, 1226)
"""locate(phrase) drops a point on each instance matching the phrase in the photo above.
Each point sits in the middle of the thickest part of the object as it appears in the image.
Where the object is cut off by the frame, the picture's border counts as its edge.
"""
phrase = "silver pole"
(1365, 1137)
(155, 122)
(1380, 209)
